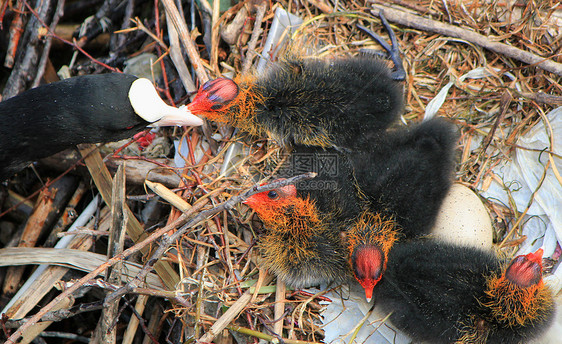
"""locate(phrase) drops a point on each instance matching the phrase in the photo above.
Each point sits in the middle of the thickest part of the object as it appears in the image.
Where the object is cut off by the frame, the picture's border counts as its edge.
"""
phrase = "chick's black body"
(346, 222)
(436, 293)
(406, 173)
(328, 102)
(50, 118)
(333, 190)
(313, 102)
(308, 258)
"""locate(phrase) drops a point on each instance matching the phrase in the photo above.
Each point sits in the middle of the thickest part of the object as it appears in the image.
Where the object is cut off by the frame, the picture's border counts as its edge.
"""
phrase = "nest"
(186, 270)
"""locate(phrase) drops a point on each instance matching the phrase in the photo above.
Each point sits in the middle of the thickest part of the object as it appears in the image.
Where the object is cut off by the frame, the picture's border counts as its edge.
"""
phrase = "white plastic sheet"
(522, 176)
(347, 309)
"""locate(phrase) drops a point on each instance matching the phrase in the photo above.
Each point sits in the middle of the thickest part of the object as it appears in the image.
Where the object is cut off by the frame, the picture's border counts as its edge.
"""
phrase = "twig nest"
(463, 219)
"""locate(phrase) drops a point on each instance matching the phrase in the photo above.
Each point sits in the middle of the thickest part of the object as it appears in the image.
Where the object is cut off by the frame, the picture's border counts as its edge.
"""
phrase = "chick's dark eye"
(272, 194)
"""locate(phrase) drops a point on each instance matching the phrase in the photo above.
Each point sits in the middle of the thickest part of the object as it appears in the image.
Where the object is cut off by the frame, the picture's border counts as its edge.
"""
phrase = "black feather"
(407, 172)
(331, 100)
(50, 118)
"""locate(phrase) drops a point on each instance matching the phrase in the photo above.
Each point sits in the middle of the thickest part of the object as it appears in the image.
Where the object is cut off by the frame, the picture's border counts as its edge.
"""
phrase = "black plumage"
(403, 173)
(87, 109)
(442, 293)
(334, 189)
(327, 103)
(390, 189)
(407, 172)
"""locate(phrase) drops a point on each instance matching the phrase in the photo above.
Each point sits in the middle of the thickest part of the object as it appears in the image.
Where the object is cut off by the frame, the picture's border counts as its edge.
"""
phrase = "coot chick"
(300, 246)
(86, 109)
(443, 293)
(327, 103)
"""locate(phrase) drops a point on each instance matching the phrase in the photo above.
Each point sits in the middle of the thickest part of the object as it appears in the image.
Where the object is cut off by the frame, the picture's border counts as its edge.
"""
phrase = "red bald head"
(214, 95)
(264, 203)
(525, 270)
(368, 265)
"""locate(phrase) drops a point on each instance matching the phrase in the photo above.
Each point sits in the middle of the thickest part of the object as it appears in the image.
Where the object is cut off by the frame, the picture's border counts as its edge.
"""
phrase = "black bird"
(86, 109)
(327, 103)
(403, 175)
(442, 293)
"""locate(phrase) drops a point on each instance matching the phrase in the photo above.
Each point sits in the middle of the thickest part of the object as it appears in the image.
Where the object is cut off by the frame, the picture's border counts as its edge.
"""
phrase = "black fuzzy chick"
(315, 102)
(407, 172)
(442, 293)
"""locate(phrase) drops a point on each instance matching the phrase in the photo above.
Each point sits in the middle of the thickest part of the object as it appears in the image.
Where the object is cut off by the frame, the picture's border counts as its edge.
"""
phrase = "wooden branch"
(60, 315)
(27, 62)
(173, 15)
(251, 53)
(29, 238)
(138, 171)
(177, 59)
(48, 43)
(321, 6)
(105, 332)
(231, 32)
(215, 36)
(279, 308)
(421, 23)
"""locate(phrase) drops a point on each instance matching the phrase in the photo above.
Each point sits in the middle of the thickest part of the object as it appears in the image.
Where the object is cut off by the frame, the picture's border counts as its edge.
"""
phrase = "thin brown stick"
(59, 315)
(230, 314)
(279, 308)
(48, 42)
(30, 235)
(421, 23)
(185, 38)
(321, 6)
(215, 38)
(105, 331)
(251, 53)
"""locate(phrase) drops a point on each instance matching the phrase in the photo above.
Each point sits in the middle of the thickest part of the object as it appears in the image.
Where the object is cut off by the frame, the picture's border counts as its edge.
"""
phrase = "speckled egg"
(463, 219)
